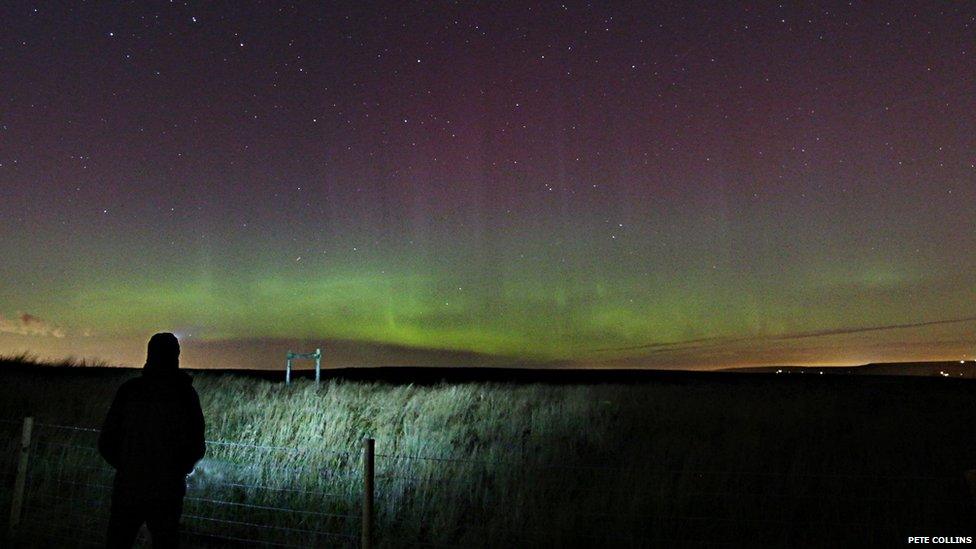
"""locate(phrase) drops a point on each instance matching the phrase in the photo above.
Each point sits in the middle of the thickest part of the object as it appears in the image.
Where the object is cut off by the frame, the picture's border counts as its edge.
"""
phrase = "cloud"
(28, 324)
(666, 346)
(692, 344)
(843, 331)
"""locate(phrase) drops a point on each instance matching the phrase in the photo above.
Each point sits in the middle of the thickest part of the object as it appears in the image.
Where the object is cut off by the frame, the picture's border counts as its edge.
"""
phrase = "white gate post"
(369, 446)
(317, 355)
(318, 364)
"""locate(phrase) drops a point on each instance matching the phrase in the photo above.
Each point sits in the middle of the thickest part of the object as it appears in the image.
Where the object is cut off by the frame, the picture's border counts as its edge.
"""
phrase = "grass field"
(676, 460)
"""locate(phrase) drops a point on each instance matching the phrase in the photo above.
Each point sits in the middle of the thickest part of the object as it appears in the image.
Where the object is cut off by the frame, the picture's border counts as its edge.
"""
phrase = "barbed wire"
(424, 480)
(216, 442)
(667, 472)
(270, 508)
(41, 442)
(84, 484)
(295, 449)
(273, 489)
(324, 494)
(433, 458)
(330, 472)
(66, 427)
(270, 526)
(249, 541)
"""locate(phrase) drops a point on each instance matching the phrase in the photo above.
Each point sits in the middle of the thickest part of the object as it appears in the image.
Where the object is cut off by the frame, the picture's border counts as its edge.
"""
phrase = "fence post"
(318, 364)
(369, 445)
(288, 370)
(17, 501)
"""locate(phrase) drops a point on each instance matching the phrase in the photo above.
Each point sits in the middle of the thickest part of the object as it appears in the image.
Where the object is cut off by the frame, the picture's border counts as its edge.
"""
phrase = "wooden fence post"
(369, 445)
(17, 501)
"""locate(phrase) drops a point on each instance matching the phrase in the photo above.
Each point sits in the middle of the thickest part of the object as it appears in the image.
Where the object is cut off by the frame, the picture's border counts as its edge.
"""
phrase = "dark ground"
(820, 460)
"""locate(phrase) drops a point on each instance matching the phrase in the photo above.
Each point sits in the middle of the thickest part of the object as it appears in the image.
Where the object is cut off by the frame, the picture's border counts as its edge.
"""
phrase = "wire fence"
(9, 434)
(255, 502)
(276, 496)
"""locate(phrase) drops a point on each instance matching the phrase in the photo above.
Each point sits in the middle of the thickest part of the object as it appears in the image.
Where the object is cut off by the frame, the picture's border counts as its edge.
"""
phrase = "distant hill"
(954, 369)
(463, 374)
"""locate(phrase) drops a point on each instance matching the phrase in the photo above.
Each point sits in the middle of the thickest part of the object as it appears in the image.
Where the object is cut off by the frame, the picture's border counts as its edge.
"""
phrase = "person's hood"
(163, 353)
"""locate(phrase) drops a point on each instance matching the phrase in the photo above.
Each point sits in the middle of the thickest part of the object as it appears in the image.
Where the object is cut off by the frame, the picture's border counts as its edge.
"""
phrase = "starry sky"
(675, 185)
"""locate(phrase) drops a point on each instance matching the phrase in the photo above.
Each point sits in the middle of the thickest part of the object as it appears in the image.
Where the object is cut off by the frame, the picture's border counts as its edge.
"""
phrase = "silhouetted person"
(153, 436)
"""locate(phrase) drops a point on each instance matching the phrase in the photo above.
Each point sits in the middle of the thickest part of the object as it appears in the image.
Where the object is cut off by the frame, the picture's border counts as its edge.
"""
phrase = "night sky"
(672, 186)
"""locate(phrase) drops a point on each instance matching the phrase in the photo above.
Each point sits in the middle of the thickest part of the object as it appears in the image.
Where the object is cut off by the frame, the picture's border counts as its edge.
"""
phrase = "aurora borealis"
(671, 186)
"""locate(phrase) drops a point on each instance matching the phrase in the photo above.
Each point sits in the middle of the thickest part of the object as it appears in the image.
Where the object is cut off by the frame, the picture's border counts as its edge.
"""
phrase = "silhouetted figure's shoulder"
(172, 390)
(153, 434)
(156, 378)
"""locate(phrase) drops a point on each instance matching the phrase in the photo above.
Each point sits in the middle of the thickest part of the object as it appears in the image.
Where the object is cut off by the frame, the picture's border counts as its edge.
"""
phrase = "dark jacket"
(154, 433)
